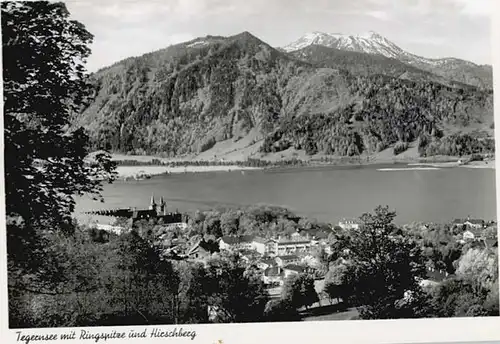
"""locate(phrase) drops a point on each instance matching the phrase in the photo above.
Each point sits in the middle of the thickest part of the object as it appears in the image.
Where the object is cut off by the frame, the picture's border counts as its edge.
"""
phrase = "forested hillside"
(457, 70)
(392, 112)
(185, 98)
(359, 63)
(375, 47)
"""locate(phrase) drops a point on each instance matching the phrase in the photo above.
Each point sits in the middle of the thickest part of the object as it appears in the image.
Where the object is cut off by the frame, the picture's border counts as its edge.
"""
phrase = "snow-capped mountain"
(371, 43)
(375, 44)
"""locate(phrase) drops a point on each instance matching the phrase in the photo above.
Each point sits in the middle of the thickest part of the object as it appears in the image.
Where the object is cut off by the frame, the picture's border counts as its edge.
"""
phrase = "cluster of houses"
(471, 231)
(277, 258)
(474, 230)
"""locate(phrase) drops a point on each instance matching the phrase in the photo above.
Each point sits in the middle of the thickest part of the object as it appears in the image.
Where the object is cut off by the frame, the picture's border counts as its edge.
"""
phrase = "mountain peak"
(245, 35)
(371, 34)
(373, 43)
(370, 42)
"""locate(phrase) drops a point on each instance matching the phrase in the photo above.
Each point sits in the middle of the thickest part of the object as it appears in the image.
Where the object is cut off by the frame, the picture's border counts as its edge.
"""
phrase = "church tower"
(152, 205)
(163, 206)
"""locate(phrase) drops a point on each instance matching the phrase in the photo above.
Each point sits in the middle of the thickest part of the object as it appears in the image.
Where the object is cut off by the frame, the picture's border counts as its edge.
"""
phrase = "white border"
(376, 331)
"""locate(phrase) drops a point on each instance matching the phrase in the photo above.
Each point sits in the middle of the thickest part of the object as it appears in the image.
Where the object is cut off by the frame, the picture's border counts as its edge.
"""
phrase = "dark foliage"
(44, 85)
(383, 270)
(393, 112)
(298, 291)
(281, 310)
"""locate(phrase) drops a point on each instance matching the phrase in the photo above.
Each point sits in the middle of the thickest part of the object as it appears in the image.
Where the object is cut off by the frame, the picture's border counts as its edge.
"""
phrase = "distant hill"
(187, 98)
(372, 43)
(359, 63)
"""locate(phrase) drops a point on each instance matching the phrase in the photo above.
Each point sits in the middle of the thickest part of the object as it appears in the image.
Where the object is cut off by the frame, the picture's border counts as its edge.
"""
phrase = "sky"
(430, 28)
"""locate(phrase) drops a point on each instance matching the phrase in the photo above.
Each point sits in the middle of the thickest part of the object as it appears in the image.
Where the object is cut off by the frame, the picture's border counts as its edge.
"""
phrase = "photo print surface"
(194, 162)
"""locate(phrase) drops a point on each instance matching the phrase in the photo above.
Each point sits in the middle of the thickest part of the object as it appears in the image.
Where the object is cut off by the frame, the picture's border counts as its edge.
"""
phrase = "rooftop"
(476, 221)
(268, 261)
(240, 239)
(274, 271)
(251, 253)
(259, 240)
(293, 242)
(288, 257)
(350, 221)
(295, 267)
(473, 221)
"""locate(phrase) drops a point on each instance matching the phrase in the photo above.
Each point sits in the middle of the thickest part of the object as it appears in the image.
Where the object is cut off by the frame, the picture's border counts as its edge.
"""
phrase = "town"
(276, 258)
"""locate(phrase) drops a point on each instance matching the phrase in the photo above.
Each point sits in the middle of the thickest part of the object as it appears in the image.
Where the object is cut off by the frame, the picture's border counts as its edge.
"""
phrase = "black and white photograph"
(192, 162)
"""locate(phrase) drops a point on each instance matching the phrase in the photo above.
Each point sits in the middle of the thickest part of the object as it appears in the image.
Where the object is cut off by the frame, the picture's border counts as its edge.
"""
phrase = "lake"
(325, 193)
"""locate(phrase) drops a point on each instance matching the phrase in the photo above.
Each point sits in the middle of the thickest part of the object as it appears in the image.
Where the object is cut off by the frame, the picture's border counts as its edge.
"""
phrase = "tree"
(491, 304)
(338, 280)
(299, 291)
(212, 223)
(44, 86)
(387, 268)
(479, 267)
(141, 282)
(194, 290)
(65, 291)
(229, 222)
(46, 159)
(280, 310)
(236, 295)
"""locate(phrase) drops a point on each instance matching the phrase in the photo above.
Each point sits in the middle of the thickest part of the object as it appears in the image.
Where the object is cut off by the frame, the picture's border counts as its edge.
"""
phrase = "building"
(243, 242)
(259, 245)
(285, 260)
(468, 235)
(236, 242)
(293, 270)
(271, 247)
(199, 251)
(348, 224)
(474, 223)
(249, 255)
(287, 246)
(470, 223)
(273, 275)
(156, 212)
(264, 264)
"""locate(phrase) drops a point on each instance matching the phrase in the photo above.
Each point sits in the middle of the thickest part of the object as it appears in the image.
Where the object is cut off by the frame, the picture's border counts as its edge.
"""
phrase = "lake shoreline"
(143, 170)
(131, 172)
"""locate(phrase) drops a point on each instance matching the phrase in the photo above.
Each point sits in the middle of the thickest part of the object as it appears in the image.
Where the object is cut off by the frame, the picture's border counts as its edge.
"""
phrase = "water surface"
(325, 193)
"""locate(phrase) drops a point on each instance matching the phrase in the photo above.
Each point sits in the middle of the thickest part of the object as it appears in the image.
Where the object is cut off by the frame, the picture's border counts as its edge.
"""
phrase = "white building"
(259, 245)
(349, 224)
(233, 242)
(292, 270)
(283, 247)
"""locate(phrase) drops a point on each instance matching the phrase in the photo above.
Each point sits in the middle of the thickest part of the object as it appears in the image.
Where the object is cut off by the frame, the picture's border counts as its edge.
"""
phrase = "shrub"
(400, 147)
